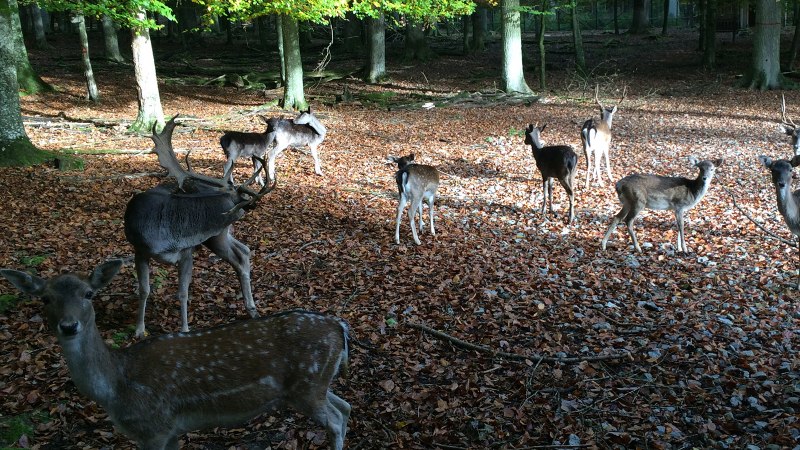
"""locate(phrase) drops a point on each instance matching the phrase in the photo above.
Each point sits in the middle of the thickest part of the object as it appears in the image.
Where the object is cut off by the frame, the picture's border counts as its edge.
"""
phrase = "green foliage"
(513, 132)
(125, 12)
(14, 427)
(33, 260)
(7, 302)
(121, 337)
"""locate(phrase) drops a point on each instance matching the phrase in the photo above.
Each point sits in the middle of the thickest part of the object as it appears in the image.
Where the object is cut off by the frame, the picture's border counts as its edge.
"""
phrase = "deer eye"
(88, 295)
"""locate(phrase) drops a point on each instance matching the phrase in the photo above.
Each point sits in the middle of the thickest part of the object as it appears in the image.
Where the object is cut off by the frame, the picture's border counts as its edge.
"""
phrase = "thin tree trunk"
(710, 47)
(640, 22)
(665, 21)
(580, 58)
(281, 48)
(416, 46)
(38, 27)
(376, 49)
(91, 86)
(27, 78)
(616, 17)
(111, 40)
(765, 72)
(479, 22)
(542, 55)
(513, 76)
(701, 10)
(293, 95)
(263, 38)
(352, 33)
(144, 66)
(466, 25)
(796, 37)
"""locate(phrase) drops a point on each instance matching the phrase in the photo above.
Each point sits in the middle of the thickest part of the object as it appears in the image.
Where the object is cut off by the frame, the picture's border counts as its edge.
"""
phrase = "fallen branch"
(756, 223)
(514, 356)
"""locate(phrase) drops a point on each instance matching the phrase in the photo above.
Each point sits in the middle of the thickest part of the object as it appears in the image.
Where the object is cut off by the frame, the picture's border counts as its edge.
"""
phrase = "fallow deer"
(415, 183)
(596, 139)
(553, 161)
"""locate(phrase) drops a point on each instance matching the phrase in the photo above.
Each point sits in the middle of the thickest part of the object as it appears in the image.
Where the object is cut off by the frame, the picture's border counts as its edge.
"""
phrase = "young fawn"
(637, 192)
(160, 388)
(415, 183)
(553, 161)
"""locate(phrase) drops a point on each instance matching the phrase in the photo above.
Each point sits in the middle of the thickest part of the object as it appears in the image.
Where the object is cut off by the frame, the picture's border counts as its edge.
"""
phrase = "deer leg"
(608, 167)
(416, 203)
(232, 154)
(550, 193)
(277, 150)
(681, 240)
(237, 255)
(315, 155)
(430, 211)
(636, 209)
(184, 279)
(567, 187)
(421, 222)
(588, 155)
(257, 169)
(623, 212)
(400, 206)
(598, 161)
(340, 410)
(143, 274)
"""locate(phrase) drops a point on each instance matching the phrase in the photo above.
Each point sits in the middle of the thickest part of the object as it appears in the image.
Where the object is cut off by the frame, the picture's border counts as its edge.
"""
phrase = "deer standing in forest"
(788, 201)
(160, 388)
(638, 191)
(304, 130)
(170, 221)
(596, 139)
(415, 183)
(788, 127)
(553, 161)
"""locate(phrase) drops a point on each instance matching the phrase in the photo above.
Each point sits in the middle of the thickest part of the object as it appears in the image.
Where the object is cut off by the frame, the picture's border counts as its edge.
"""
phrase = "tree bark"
(281, 48)
(111, 41)
(144, 66)
(27, 78)
(15, 146)
(710, 39)
(616, 17)
(91, 86)
(580, 58)
(796, 37)
(513, 76)
(263, 37)
(542, 54)
(416, 47)
(376, 49)
(293, 95)
(38, 27)
(640, 22)
(466, 25)
(765, 70)
(479, 21)
(352, 33)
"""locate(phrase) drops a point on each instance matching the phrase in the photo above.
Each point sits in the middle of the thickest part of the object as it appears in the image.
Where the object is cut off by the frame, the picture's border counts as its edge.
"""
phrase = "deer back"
(293, 134)
(246, 144)
(667, 193)
(417, 178)
(164, 220)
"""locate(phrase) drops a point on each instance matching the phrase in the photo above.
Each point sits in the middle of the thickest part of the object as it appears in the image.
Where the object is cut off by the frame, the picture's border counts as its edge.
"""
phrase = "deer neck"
(700, 186)
(317, 126)
(788, 205)
(95, 369)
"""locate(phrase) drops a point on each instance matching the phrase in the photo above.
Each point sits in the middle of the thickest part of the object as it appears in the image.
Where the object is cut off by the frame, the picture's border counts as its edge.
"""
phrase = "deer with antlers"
(788, 127)
(596, 139)
(171, 220)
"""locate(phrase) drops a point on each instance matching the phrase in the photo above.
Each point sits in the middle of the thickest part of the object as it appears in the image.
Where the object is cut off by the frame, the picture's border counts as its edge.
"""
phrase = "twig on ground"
(514, 356)
(756, 223)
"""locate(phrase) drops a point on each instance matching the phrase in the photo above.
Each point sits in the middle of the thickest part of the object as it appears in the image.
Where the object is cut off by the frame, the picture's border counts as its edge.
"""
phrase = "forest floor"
(653, 350)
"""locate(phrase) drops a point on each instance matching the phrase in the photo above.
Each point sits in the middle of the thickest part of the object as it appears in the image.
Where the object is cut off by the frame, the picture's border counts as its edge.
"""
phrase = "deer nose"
(69, 327)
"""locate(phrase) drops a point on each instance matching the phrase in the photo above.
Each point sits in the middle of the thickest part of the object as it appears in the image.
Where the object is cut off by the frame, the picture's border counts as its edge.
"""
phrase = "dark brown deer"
(304, 130)
(158, 389)
(170, 221)
(637, 192)
(596, 139)
(415, 183)
(553, 161)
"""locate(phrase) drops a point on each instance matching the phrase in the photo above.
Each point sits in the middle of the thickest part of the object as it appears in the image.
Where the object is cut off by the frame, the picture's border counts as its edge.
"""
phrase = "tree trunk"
(640, 22)
(710, 40)
(144, 67)
(616, 18)
(542, 55)
(376, 48)
(766, 72)
(580, 58)
(263, 37)
(281, 48)
(352, 33)
(665, 21)
(293, 95)
(513, 76)
(479, 21)
(91, 86)
(111, 41)
(27, 78)
(796, 37)
(15, 147)
(701, 12)
(38, 27)
(416, 48)
(466, 25)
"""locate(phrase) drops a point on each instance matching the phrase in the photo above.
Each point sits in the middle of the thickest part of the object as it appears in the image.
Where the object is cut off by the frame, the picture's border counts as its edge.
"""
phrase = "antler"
(596, 98)
(624, 94)
(784, 119)
(168, 160)
(253, 196)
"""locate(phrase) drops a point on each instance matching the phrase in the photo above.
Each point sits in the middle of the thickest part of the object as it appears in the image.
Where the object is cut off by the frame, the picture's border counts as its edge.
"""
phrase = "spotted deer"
(553, 161)
(160, 388)
(170, 221)
(596, 139)
(678, 194)
(415, 183)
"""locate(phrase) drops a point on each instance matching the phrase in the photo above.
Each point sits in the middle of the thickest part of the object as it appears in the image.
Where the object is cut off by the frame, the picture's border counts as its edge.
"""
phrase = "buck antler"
(784, 119)
(624, 95)
(596, 92)
(253, 197)
(168, 160)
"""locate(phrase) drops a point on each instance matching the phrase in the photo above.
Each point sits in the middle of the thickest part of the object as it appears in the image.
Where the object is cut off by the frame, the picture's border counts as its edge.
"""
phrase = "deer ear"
(543, 127)
(411, 157)
(718, 162)
(614, 109)
(25, 282)
(765, 160)
(786, 129)
(795, 161)
(104, 273)
(693, 161)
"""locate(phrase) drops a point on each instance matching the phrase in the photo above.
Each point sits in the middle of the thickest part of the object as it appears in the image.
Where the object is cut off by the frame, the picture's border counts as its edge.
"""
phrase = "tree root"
(514, 356)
